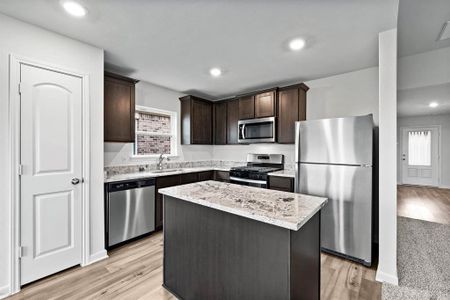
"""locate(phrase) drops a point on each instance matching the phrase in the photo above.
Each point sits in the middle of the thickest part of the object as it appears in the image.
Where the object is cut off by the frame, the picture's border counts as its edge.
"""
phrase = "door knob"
(75, 181)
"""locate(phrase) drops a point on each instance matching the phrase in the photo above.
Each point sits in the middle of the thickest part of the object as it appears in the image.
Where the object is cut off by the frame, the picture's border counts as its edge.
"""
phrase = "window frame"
(173, 131)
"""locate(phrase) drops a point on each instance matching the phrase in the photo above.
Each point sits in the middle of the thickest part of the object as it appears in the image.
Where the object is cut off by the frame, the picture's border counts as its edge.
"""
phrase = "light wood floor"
(424, 203)
(134, 271)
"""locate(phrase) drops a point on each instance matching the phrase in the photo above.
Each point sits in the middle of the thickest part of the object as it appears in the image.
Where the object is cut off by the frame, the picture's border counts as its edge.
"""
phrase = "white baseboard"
(444, 186)
(4, 291)
(385, 277)
(101, 255)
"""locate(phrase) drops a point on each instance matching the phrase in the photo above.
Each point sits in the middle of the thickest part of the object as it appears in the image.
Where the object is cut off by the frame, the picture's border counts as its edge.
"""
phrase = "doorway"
(420, 155)
(50, 166)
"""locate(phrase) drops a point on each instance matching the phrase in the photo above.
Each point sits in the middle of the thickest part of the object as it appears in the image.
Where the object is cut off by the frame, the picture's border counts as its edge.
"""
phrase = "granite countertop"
(283, 173)
(155, 173)
(287, 210)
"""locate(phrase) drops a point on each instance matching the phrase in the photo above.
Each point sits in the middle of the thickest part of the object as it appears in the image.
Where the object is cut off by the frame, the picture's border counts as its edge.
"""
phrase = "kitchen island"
(228, 241)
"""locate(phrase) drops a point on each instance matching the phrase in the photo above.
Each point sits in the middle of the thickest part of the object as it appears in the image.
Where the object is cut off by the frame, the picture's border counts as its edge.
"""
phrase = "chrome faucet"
(159, 165)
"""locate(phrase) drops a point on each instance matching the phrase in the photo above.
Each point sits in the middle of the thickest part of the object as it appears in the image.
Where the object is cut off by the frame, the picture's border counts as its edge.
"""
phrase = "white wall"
(37, 44)
(444, 121)
(387, 258)
(424, 69)
(349, 94)
(154, 96)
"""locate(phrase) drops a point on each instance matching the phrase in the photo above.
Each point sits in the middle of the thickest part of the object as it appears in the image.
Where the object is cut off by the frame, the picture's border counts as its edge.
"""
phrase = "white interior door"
(420, 156)
(51, 159)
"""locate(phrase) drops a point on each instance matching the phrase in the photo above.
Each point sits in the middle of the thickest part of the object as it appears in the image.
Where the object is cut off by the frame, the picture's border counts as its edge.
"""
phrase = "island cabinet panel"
(226, 256)
(232, 121)
(220, 123)
(265, 104)
(119, 108)
(163, 182)
(196, 121)
(284, 184)
(247, 107)
(291, 108)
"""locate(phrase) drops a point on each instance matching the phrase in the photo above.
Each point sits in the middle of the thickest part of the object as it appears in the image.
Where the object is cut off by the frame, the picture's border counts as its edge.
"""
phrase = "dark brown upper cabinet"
(119, 107)
(265, 104)
(196, 121)
(220, 123)
(247, 107)
(291, 108)
(232, 121)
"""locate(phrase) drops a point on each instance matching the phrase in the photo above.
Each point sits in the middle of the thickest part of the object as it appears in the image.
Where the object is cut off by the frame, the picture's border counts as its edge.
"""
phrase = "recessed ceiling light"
(215, 72)
(433, 104)
(74, 8)
(296, 44)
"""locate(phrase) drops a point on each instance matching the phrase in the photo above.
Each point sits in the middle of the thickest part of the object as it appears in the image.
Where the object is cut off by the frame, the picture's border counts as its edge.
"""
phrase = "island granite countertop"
(283, 209)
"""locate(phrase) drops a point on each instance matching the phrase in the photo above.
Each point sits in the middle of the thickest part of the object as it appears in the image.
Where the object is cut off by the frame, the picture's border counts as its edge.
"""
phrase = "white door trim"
(14, 138)
(402, 130)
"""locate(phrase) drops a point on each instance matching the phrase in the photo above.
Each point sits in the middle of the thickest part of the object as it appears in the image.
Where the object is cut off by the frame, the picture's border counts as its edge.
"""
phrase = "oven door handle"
(248, 180)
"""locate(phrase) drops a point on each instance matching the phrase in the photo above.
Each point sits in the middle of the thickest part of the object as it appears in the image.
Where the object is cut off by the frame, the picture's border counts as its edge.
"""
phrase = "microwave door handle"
(243, 131)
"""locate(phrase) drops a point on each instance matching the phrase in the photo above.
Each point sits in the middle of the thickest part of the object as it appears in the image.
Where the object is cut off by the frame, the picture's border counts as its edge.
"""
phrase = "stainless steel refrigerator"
(334, 160)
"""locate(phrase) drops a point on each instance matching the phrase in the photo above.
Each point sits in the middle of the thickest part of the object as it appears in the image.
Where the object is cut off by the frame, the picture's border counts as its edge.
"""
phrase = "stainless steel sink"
(166, 171)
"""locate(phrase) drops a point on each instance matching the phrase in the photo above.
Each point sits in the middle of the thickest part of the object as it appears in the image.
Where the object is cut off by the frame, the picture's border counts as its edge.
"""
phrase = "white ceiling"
(419, 25)
(174, 43)
(414, 102)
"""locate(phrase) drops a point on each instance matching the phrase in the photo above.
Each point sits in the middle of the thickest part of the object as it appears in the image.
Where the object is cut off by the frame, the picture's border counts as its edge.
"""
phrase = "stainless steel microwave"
(260, 130)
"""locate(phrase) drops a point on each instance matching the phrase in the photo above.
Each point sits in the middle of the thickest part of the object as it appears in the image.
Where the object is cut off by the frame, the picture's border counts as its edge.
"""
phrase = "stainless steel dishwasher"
(130, 210)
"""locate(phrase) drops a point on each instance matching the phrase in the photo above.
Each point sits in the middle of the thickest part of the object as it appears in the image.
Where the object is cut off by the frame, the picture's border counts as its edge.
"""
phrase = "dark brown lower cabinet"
(285, 184)
(162, 182)
(222, 176)
(207, 175)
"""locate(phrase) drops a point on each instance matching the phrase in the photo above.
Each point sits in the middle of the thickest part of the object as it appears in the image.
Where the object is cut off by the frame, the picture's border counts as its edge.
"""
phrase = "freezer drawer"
(346, 224)
(131, 213)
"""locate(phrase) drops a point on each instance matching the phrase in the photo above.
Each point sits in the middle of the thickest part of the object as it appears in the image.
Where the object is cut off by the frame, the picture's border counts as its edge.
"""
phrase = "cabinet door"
(284, 184)
(220, 123)
(162, 182)
(207, 175)
(188, 178)
(118, 110)
(265, 104)
(201, 122)
(288, 114)
(222, 176)
(232, 121)
(247, 107)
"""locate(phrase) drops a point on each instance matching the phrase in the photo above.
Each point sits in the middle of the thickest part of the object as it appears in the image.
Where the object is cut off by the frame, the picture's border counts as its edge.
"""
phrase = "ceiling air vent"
(445, 32)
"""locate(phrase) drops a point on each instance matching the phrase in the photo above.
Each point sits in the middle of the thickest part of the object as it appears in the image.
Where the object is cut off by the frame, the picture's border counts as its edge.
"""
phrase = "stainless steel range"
(256, 170)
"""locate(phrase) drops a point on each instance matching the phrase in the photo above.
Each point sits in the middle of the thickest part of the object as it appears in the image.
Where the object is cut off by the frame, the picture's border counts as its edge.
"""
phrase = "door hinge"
(20, 88)
(20, 170)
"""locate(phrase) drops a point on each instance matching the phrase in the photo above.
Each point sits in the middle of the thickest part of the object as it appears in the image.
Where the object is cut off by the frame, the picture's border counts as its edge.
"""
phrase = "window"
(419, 148)
(155, 132)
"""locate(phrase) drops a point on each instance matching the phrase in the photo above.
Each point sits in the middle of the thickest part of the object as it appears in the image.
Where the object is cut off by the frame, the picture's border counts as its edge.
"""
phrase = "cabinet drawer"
(281, 183)
(207, 175)
(188, 178)
(222, 176)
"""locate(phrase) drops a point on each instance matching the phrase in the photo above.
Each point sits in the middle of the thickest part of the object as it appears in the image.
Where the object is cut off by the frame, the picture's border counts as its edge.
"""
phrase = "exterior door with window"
(51, 159)
(420, 156)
